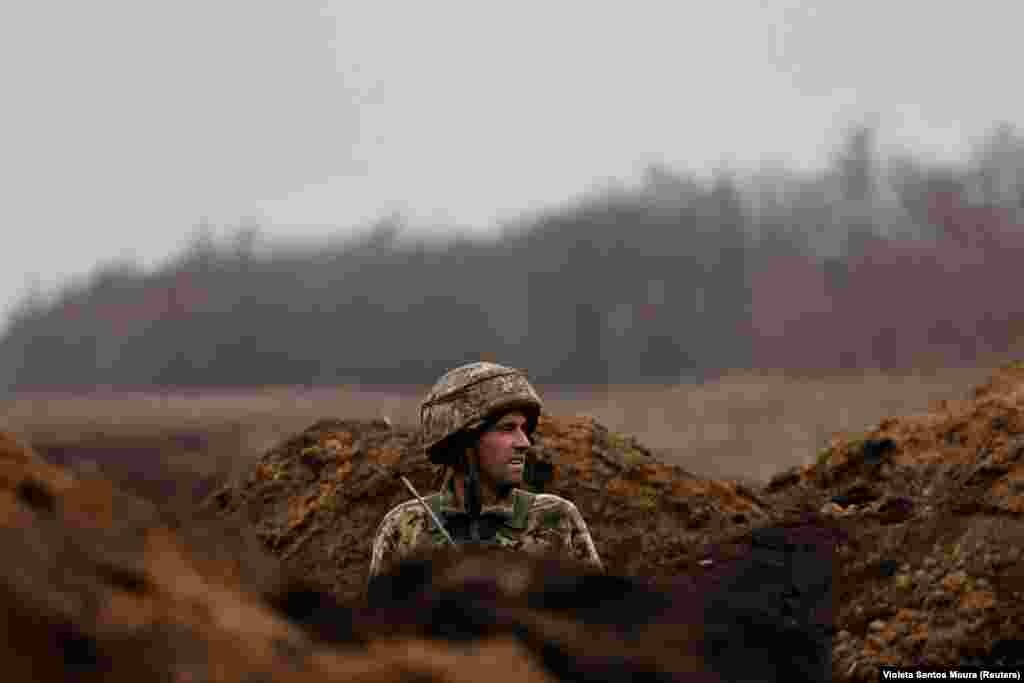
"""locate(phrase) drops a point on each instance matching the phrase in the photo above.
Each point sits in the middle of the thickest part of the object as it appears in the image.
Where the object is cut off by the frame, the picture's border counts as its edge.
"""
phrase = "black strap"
(490, 522)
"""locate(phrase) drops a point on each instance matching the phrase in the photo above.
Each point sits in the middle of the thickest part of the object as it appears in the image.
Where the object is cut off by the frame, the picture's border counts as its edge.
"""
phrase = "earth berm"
(923, 512)
(901, 545)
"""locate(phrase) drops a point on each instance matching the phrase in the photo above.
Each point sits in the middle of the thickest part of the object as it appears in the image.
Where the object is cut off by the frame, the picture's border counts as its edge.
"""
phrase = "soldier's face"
(502, 450)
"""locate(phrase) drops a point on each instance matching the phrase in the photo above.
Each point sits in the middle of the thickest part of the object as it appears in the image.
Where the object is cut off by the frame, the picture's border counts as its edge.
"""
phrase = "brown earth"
(747, 618)
(316, 499)
(687, 580)
(101, 585)
(932, 504)
(920, 516)
(97, 585)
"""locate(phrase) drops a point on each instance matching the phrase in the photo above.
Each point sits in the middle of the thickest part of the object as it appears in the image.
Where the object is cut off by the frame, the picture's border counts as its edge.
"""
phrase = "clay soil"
(918, 481)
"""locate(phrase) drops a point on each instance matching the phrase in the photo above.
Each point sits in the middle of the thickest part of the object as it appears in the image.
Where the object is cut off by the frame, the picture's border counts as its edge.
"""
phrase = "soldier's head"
(500, 449)
(481, 410)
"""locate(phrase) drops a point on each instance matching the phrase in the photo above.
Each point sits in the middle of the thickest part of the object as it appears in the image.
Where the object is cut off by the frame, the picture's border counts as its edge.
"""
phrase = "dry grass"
(751, 426)
(746, 426)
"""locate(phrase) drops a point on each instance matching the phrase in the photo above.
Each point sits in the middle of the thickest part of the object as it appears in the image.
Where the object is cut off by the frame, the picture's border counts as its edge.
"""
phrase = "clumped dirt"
(728, 622)
(316, 499)
(901, 545)
(928, 506)
(101, 585)
(931, 574)
(98, 585)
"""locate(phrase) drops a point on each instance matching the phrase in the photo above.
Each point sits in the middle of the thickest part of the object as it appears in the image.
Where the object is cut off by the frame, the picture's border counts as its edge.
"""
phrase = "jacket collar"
(449, 504)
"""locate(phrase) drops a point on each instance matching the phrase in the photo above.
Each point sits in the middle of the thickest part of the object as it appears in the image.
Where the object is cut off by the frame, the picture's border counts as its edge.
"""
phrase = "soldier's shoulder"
(549, 501)
(402, 513)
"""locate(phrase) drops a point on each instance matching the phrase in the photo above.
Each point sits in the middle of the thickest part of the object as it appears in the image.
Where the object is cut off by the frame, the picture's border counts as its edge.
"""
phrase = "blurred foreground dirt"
(900, 544)
(104, 586)
(98, 585)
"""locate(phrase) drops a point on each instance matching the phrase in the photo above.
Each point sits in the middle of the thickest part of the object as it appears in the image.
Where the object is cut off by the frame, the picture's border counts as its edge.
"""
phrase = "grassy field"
(744, 426)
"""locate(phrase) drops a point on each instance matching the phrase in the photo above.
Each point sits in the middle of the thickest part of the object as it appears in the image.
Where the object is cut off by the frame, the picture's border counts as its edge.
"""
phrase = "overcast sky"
(124, 123)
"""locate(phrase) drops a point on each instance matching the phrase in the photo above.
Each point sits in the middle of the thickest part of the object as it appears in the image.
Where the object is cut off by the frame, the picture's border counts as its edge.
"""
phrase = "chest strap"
(433, 501)
(520, 509)
(521, 504)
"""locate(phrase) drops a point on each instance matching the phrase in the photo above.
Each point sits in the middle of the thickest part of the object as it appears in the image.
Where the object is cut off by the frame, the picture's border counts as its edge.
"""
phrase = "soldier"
(478, 421)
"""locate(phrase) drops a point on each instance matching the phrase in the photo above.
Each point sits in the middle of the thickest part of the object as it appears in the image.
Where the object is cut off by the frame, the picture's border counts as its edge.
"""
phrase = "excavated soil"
(931, 574)
(901, 545)
(316, 499)
(97, 585)
(929, 507)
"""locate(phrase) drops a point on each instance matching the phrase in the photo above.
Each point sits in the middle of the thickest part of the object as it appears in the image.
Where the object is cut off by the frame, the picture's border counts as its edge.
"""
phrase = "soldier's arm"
(378, 554)
(581, 543)
(400, 532)
(386, 548)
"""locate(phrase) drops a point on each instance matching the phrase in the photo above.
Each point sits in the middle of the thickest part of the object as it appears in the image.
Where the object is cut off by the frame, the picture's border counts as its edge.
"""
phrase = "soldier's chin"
(515, 474)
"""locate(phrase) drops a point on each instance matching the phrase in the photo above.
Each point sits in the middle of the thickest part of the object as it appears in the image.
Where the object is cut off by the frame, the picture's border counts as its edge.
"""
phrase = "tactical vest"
(521, 504)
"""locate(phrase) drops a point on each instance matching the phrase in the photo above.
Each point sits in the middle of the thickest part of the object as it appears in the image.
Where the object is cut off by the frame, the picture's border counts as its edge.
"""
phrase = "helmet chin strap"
(473, 499)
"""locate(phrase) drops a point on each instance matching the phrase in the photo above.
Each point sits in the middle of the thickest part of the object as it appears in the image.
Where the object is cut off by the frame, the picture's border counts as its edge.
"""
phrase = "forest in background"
(871, 263)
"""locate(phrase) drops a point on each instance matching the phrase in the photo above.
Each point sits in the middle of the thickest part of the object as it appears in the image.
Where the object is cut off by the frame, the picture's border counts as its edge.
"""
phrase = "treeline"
(646, 283)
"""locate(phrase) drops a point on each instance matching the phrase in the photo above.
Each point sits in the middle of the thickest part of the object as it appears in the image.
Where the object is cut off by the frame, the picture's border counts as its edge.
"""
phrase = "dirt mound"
(932, 503)
(316, 499)
(927, 509)
(100, 585)
(97, 585)
(905, 542)
(725, 623)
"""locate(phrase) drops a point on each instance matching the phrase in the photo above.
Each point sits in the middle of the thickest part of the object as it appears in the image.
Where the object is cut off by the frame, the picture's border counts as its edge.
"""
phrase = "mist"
(873, 263)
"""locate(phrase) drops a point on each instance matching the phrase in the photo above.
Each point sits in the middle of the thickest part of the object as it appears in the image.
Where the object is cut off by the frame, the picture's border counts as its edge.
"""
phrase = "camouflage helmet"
(466, 396)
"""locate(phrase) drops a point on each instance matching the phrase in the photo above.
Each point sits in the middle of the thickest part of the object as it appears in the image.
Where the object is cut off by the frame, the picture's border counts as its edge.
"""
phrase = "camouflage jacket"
(551, 525)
